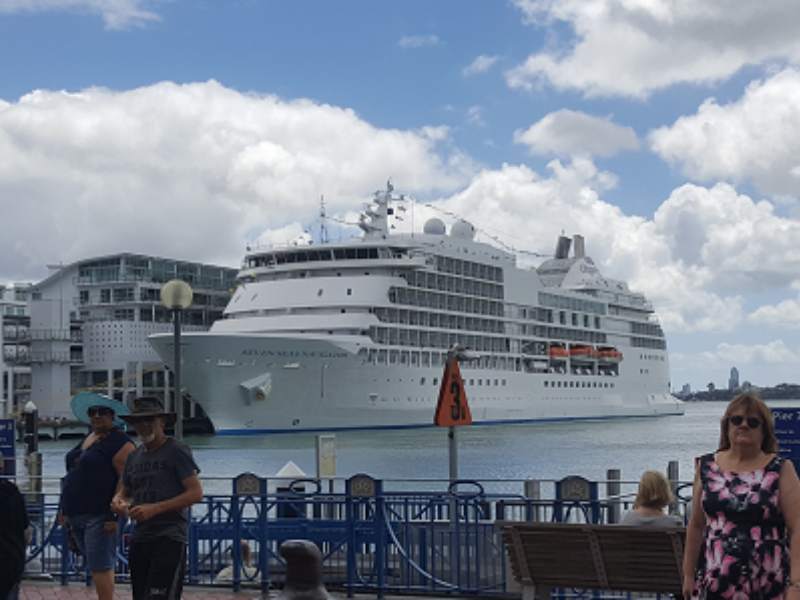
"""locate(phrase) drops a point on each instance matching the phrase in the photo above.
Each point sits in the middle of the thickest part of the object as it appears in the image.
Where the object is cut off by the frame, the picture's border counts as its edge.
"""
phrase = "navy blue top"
(91, 477)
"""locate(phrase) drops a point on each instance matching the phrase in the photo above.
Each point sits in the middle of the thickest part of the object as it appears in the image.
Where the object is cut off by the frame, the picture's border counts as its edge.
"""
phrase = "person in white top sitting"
(653, 497)
(248, 571)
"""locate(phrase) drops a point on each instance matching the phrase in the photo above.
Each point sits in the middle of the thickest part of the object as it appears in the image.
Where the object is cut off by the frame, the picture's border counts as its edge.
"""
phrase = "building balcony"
(12, 334)
(17, 359)
(50, 357)
(47, 335)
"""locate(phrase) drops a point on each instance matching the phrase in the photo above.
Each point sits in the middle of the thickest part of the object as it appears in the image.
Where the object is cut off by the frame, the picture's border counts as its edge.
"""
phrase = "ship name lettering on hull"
(294, 353)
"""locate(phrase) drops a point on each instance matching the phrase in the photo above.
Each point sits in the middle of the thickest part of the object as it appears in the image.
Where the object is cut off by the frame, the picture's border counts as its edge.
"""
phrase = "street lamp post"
(176, 295)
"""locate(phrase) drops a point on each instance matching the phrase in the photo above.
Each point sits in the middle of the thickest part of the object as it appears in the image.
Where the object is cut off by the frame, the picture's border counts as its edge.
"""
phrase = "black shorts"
(157, 569)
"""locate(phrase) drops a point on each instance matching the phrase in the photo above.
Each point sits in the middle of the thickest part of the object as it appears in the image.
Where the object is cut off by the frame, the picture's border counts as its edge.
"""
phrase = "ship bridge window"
(355, 253)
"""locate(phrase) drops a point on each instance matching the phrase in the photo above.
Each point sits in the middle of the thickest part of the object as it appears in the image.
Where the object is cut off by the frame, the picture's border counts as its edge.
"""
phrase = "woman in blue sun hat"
(93, 470)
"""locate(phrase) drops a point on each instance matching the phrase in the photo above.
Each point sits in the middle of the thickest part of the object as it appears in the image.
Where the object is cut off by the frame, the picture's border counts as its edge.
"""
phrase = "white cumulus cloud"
(116, 14)
(774, 352)
(755, 138)
(570, 133)
(632, 48)
(784, 314)
(481, 64)
(190, 171)
(737, 242)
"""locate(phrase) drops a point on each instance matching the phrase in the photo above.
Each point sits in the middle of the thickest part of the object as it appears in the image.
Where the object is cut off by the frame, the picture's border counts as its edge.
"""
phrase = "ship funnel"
(580, 248)
(562, 246)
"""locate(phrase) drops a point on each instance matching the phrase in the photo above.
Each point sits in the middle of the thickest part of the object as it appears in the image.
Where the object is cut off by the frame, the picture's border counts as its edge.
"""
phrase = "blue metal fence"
(372, 539)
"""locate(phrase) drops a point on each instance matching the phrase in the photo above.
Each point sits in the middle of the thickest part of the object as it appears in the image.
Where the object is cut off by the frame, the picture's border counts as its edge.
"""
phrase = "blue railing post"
(64, 554)
(236, 550)
(194, 551)
(351, 541)
(455, 552)
(380, 532)
(263, 542)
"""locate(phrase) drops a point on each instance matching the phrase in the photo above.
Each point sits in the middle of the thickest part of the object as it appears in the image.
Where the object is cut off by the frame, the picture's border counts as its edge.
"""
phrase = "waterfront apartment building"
(89, 322)
(15, 371)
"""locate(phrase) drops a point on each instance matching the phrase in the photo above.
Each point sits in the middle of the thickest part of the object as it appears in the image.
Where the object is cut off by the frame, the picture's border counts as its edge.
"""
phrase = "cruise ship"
(354, 335)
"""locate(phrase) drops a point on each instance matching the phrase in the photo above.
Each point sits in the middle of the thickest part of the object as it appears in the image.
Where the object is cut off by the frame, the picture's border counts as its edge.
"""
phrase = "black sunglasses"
(752, 422)
(99, 411)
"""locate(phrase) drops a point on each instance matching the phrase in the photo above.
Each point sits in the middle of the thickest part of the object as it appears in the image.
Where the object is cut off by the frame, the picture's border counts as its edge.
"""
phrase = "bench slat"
(609, 557)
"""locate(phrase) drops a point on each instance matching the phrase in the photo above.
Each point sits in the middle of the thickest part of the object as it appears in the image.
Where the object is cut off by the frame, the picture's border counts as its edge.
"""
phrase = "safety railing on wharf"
(376, 536)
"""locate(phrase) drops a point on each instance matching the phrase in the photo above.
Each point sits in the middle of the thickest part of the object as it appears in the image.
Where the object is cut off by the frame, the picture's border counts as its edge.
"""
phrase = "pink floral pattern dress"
(745, 554)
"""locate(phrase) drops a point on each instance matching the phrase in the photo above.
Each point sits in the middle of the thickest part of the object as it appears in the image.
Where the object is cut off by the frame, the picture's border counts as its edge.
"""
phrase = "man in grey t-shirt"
(157, 487)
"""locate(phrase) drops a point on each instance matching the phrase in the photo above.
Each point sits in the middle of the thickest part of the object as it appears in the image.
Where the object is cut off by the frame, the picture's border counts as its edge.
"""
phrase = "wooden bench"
(599, 557)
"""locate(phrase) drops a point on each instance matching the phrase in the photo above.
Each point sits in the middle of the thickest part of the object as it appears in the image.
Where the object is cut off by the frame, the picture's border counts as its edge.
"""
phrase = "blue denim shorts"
(99, 547)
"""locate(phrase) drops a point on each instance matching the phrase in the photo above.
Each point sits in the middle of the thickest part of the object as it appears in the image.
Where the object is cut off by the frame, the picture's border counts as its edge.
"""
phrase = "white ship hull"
(262, 383)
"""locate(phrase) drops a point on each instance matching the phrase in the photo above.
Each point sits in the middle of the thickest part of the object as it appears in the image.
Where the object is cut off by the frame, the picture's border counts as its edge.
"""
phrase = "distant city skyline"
(192, 129)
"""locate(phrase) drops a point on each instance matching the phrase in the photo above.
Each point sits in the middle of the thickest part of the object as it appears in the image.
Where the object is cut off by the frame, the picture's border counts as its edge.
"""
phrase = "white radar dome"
(462, 230)
(434, 226)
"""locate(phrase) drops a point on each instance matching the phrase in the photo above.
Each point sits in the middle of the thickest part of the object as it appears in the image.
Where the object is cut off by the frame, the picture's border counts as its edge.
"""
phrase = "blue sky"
(665, 132)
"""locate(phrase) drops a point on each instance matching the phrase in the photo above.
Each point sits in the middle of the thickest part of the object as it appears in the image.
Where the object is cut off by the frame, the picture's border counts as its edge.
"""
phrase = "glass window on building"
(105, 296)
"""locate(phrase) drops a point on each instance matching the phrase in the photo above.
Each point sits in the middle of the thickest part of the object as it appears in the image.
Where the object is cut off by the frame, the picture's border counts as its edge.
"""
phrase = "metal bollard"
(31, 427)
(674, 480)
(303, 572)
(33, 458)
(613, 490)
(533, 492)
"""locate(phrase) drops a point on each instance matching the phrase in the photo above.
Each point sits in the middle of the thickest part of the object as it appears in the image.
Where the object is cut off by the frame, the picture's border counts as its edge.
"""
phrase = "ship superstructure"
(355, 335)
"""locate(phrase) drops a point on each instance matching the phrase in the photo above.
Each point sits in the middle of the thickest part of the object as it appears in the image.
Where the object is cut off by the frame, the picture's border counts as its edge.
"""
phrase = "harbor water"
(544, 451)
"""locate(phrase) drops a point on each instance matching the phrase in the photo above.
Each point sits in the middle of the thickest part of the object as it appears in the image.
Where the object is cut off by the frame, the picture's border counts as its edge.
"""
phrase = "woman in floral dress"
(746, 501)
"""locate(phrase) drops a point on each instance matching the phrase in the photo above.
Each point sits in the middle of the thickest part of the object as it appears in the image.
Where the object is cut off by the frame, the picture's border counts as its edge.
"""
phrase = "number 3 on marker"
(455, 407)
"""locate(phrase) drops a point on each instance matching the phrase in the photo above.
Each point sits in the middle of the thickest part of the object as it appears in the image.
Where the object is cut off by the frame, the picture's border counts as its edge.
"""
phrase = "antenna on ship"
(323, 227)
(374, 220)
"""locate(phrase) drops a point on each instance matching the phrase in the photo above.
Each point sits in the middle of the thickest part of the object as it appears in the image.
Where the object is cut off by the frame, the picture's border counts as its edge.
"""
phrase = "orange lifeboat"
(581, 352)
(558, 352)
(609, 355)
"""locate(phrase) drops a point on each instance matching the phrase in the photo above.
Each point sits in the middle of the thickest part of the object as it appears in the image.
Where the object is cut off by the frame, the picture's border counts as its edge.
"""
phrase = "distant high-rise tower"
(733, 380)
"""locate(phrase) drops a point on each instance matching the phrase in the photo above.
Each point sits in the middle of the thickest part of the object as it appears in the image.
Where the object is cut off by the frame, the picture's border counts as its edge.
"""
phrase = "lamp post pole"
(176, 372)
(176, 295)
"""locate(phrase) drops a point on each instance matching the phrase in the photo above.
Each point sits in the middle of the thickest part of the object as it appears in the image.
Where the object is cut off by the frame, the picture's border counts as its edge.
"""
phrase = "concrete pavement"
(37, 590)
(47, 590)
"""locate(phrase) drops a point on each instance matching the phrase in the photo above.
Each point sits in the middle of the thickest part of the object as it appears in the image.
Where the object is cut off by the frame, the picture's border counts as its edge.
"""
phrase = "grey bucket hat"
(147, 407)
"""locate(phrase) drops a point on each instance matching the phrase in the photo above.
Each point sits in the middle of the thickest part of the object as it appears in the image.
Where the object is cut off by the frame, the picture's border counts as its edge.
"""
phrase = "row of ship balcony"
(21, 356)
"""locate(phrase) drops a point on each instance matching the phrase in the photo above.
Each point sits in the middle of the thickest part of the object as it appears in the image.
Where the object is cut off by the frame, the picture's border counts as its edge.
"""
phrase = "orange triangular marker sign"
(452, 408)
